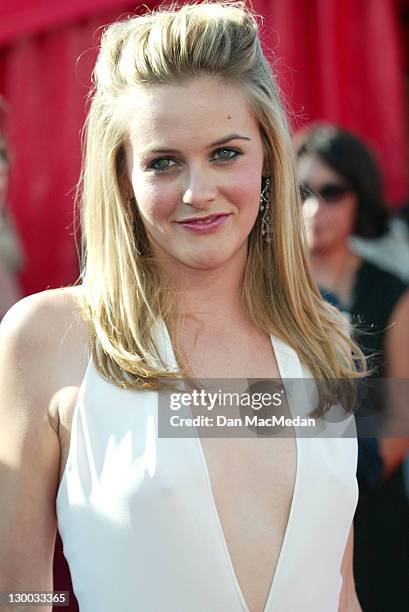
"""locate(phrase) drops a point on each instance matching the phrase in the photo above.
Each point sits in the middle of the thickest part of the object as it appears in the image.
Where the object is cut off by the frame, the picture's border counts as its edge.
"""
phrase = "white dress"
(140, 527)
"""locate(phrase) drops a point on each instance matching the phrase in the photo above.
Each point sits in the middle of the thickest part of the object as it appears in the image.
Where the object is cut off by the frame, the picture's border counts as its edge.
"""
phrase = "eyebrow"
(222, 141)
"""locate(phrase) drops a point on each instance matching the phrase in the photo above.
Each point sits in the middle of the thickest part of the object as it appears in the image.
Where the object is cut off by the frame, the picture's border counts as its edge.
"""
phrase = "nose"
(200, 192)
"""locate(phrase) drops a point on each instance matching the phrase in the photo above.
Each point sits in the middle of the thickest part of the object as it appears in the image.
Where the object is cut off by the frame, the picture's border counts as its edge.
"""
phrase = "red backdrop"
(337, 60)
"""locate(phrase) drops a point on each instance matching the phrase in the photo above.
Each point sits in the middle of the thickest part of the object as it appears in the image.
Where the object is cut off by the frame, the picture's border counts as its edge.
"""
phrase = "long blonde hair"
(124, 291)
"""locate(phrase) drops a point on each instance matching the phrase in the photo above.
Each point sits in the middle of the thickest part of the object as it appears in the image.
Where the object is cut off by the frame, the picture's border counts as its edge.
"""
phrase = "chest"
(251, 483)
(250, 480)
(233, 354)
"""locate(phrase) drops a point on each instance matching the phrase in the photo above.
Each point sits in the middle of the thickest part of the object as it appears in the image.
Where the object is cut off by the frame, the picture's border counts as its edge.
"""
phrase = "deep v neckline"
(289, 366)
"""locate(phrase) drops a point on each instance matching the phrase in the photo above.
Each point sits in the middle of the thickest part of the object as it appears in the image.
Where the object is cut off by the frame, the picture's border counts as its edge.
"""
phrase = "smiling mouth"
(203, 220)
(205, 225)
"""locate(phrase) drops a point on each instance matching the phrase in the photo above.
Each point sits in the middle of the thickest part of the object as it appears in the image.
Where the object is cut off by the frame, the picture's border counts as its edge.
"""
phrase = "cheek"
(244, 190)
(344, 218)
(155, 201)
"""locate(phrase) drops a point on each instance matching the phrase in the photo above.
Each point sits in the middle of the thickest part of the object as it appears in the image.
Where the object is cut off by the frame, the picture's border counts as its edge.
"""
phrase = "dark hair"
(346, 154)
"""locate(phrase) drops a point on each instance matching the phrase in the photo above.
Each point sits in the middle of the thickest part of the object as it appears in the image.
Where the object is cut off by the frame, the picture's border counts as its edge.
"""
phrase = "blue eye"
(231, 154)
(162, 163)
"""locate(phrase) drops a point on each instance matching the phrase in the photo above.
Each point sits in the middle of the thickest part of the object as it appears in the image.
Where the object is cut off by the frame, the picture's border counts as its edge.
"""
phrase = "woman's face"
(330, 210)
(194, 161)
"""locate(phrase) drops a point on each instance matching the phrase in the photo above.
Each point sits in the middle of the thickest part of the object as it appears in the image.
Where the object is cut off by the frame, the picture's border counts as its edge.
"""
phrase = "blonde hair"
(125, 294)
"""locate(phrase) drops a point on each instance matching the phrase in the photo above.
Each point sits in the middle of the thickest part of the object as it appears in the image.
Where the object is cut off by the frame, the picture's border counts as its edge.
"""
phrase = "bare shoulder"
(43, 319)
(33, 315)
(45, 339)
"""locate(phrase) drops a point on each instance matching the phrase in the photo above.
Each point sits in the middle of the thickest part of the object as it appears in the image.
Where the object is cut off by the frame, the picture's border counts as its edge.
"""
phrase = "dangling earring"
(265, 209)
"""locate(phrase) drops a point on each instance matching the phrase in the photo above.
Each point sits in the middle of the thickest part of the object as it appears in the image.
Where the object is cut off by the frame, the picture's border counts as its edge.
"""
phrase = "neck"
(212, 296)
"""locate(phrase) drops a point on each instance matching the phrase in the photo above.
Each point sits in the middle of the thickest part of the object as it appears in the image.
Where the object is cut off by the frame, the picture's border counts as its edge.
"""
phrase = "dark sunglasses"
(331, 193)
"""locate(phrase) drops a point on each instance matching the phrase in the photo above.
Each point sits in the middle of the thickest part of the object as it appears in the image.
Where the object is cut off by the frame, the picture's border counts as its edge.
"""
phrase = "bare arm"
(394, 449)
(348, 601)
(29, 451)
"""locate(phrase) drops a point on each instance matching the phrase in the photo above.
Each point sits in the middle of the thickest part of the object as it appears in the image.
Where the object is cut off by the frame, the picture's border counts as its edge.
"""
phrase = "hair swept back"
(124, 292)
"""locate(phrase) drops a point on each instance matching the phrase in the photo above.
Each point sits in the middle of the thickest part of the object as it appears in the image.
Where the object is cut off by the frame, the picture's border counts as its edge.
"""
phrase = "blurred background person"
(10, 248)
(342, 196)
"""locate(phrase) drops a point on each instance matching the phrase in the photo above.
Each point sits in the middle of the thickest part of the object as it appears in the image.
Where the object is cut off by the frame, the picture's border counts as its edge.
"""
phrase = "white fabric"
(140, 527)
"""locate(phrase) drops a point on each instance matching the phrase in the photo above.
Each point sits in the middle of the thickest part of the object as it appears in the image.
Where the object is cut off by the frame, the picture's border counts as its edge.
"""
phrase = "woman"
(194, 263)
(342, 196)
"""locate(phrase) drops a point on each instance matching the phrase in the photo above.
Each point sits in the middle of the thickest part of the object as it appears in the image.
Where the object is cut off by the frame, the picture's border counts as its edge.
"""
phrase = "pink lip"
(212, 222)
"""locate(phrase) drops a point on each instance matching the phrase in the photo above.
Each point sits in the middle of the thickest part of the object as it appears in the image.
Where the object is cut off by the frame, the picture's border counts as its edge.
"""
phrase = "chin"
(210, 259)
(206, 263)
